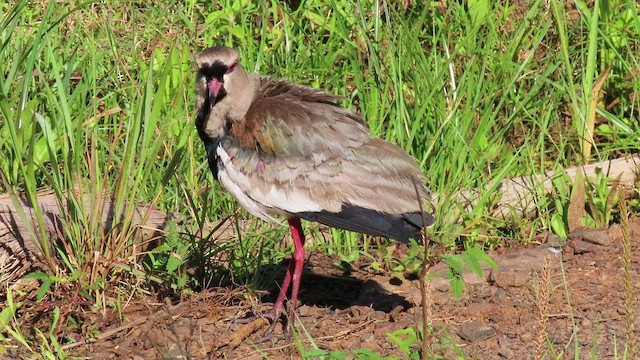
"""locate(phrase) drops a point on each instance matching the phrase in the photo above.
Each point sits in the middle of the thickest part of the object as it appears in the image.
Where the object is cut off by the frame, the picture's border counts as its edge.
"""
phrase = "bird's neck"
(214, 122)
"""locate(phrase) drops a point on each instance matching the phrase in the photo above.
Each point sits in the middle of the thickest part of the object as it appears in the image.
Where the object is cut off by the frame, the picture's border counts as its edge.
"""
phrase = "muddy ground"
(498, 317)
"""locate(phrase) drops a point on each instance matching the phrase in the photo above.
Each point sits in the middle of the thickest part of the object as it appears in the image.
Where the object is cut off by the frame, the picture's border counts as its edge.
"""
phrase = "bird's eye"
(232, 68)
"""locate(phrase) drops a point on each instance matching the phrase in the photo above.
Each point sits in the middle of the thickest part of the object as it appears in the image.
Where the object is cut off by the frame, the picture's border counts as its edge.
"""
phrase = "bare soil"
(503, 315)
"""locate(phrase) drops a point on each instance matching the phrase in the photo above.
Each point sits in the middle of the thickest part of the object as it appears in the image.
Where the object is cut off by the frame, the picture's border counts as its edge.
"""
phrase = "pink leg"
(298, 262)
(276, 311)
(294, 274)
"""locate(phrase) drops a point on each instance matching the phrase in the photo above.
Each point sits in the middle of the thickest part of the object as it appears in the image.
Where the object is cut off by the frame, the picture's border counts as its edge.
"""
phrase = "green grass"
(99, 97)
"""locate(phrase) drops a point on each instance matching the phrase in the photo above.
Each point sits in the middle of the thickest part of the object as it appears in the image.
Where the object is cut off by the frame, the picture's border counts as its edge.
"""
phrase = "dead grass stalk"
(543, 297)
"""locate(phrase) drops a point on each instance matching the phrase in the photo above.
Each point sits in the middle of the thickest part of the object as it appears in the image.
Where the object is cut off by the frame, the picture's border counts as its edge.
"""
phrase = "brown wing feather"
(287, 119)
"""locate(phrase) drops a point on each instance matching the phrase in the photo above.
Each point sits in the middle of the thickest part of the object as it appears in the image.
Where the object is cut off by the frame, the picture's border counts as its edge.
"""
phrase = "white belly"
(266, 205)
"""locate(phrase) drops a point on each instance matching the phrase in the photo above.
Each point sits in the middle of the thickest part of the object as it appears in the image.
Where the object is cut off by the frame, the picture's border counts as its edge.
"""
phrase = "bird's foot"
(272, 315)
(252, 318)
(270, 335)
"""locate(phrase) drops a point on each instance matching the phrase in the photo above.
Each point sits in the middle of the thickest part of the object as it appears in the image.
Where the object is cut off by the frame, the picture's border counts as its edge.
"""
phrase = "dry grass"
(543, 296)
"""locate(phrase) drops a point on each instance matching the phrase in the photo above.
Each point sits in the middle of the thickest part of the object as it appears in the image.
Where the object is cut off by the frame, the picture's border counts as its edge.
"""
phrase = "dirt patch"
(499, 316)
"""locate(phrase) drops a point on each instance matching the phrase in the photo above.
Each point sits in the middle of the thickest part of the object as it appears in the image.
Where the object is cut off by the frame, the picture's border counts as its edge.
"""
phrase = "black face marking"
(217, 69)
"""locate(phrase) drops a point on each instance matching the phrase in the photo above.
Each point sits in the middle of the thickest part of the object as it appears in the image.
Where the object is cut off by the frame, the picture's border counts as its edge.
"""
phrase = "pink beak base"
(214, 88)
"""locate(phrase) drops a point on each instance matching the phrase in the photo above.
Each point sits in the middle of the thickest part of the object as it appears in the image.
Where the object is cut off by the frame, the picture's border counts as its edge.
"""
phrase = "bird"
(284, 150)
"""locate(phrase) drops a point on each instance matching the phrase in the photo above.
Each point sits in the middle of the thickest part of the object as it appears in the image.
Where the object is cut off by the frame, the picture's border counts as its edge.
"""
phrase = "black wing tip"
(399, 227)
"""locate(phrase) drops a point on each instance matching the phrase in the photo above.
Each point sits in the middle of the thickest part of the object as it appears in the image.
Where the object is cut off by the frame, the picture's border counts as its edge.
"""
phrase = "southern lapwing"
(286, 150)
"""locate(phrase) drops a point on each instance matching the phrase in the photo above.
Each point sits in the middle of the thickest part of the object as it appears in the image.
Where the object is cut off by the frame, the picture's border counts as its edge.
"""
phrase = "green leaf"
(37, 275)
(404, 338)
(173, 263)
(472, 262)
(366, 354)
(455, 262)
(478, 10)
(456, 284)
(44, 289)
(6, 315)
(558, 225)
(315, 353)
(478, 253)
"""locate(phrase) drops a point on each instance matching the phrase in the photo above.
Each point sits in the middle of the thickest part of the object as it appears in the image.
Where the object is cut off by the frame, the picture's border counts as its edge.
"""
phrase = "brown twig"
(239, 336)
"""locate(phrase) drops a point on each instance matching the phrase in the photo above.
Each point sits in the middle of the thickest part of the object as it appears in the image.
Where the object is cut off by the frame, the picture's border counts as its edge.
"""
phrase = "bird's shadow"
(339, 292)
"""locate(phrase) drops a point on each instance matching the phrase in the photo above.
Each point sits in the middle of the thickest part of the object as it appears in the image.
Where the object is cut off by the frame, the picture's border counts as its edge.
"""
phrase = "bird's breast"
(237, 183)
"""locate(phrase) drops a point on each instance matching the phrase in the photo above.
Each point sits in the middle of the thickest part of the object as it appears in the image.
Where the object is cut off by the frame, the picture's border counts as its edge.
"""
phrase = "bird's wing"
(297, 151)
(291, 120)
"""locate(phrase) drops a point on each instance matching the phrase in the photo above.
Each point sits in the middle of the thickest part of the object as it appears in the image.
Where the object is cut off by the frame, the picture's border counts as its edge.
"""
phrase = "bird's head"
(223, 88)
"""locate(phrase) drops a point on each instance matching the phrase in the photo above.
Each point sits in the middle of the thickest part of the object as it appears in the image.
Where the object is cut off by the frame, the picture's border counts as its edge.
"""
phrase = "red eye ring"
(231, 69)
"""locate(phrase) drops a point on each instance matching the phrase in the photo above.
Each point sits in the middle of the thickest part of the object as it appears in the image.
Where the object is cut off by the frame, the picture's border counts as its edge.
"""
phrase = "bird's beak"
(214, 87)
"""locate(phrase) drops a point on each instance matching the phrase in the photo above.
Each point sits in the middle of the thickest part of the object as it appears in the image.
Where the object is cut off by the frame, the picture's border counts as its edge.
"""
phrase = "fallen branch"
(239, 336)
(519, 195)
(19, 250)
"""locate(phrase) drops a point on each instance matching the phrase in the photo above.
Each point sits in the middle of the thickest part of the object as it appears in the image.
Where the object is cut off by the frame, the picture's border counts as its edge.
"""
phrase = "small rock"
(593, 236)
(152, 338)
(506, 353)
(583, 247)
(503, 341)
(526, 337)
(474, 332)
(122, 347)
(474, 309)
(621, 310)
(634, 227)
(525, 259)
(440, 283)
(379, 315)
(102, 355)
(473, 279)
(176, 352)
(439, 298)
(598, 237)
(368, 337)
(615, 232)
(506, 279)
(503, 300)
(602, 263)
(504, 318)
(501, 294)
